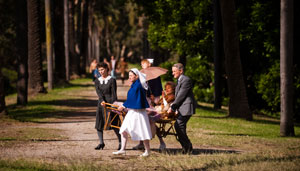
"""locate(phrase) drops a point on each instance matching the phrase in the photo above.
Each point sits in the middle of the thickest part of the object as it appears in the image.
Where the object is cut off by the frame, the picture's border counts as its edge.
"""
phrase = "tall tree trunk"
(3, 110)
(85, 36)
(107, 37)
(117, 50)
(49, 44)
(91, 43)
(74, 57)
(96, 42)
(218, 52)
(238, 101)
(89, 51)
(79, 13)
(146, 45)
(22, 54)
(123, 50)
(66, 38)
(59, 48)
(35, 70)
(286, 68)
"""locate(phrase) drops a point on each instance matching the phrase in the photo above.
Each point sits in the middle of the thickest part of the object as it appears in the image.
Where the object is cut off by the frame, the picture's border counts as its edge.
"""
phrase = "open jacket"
(184, 102)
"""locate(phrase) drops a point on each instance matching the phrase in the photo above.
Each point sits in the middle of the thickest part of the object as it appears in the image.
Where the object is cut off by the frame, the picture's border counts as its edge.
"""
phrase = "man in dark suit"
(185, 104)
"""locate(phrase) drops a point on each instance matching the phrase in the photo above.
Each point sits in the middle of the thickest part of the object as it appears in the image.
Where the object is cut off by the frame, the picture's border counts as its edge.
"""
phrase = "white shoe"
(162, 147)
(120, 152)
(146, 154)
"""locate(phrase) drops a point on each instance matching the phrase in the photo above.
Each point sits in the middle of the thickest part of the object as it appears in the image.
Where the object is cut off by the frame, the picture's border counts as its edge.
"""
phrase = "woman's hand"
(169, 110)
(163, 93)
(120, 108)
(103, 103)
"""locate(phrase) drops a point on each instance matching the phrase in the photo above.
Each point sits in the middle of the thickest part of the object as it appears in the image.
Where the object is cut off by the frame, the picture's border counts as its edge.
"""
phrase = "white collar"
(101, 79)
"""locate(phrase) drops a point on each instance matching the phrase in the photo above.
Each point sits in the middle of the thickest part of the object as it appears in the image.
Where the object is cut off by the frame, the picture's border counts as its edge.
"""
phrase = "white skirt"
(136, 124)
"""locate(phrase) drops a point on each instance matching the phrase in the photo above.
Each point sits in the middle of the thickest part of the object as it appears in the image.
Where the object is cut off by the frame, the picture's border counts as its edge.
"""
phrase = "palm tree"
(59, 48)
(286, 65)
(66, 38)
(84, 37)
(35, 82)
(74, 57)
(22, 55)
(218, 54)
(238, 101)
(49, 44)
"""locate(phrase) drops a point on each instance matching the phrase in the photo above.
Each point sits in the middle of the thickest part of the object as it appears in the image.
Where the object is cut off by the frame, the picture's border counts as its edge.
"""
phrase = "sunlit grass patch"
(209, 119)
(53, 104)
(21, 134)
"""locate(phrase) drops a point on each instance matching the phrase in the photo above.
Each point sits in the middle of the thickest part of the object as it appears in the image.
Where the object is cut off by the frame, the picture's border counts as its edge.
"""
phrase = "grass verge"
(55, 104)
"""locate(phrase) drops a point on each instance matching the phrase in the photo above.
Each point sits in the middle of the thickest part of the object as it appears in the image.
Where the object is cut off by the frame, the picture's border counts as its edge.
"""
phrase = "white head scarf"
(142, 77)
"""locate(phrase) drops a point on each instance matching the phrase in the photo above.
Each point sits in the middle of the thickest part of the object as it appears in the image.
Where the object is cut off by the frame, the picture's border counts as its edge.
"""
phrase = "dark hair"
(103, 65)
(172, 84)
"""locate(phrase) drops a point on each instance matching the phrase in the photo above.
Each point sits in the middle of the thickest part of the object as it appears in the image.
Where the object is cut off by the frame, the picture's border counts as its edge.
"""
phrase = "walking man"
(185, 104)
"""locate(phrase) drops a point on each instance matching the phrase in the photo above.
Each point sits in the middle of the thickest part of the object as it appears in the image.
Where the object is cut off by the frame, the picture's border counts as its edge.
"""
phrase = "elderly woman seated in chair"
(159, 110)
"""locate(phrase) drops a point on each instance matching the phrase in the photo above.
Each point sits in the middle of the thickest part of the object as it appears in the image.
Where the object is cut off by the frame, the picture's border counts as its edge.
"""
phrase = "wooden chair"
(166, 127)
(113, 117)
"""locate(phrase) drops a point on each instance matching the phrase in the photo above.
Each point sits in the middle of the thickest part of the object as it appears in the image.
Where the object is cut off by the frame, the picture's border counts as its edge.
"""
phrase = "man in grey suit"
(185, 104)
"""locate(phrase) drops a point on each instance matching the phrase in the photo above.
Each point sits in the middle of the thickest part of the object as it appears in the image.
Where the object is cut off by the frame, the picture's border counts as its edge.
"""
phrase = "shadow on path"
(67, 102)
(196, 151)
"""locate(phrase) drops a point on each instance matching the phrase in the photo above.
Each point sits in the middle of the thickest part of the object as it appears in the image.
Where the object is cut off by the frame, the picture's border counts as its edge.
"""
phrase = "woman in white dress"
(136, 122)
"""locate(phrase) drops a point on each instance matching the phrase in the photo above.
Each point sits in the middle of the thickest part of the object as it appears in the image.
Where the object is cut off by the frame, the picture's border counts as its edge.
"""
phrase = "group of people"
(143, 99)
(114, 67)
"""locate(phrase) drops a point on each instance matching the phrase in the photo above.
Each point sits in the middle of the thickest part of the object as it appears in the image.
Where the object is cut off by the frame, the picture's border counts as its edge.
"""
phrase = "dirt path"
(81, 136)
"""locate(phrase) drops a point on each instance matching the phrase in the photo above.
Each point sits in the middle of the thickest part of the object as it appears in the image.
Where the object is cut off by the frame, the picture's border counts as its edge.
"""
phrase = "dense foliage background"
(187, 28)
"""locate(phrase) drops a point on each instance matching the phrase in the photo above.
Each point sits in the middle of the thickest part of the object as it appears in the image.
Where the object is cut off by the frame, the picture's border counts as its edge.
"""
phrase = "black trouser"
(180, 127)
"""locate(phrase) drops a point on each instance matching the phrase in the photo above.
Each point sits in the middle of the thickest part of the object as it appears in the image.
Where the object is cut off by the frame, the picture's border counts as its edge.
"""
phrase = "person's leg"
(116, 130)
(180, 127)
(124, 138)
(140, 146)
(162, 143)
(122, 77)
(100, 136)
(147, 148)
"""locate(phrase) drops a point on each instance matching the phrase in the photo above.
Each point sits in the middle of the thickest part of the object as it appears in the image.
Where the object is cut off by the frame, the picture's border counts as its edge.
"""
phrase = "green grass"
(22, 135)
(24, 165)
(131, 65)
(53, 104)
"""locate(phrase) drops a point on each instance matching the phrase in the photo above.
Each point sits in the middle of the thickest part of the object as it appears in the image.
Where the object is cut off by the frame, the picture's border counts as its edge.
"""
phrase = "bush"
(168, 76)
(268, 86)
(201, 72)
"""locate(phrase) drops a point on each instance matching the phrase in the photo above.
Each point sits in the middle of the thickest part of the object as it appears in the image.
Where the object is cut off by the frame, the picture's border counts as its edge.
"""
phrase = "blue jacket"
(136, 97)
